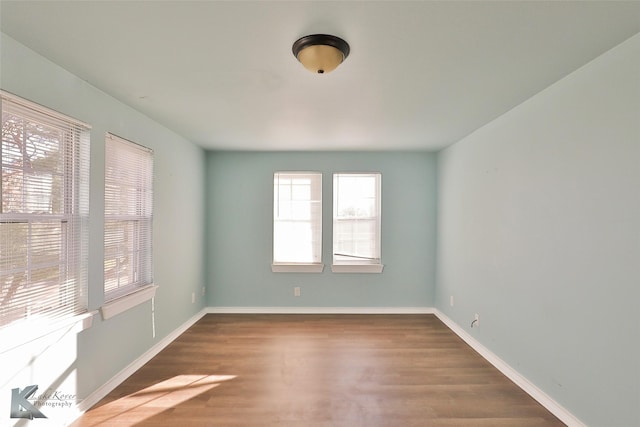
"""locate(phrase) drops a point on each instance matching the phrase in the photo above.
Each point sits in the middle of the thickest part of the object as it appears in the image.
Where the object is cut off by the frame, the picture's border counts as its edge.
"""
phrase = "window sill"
(122, 304)
(32, 330)
(296, 268)
(357, 268)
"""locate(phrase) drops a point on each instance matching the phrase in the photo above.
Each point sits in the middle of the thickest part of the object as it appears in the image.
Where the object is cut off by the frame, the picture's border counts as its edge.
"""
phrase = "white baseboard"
(528, 387)
(321, 310)
(106, 388)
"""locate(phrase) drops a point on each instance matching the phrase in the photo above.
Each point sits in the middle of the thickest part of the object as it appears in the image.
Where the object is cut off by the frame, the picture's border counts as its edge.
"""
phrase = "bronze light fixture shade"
(320, 53)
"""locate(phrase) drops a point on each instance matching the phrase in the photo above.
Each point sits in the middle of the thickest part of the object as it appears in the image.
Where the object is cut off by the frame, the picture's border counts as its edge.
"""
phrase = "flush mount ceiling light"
(320, 53)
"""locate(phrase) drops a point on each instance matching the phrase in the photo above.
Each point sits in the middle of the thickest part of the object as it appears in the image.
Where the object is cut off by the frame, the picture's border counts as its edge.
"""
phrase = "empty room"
(320, 213)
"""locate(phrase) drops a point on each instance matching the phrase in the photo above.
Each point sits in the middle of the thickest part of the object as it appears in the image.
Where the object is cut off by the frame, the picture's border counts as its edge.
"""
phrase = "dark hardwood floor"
(318, 370)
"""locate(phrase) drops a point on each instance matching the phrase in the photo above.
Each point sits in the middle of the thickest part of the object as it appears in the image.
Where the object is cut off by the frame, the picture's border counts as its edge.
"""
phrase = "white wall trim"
(321, 310)
(126, 302)
(281, 267)
(544, 399)
(107, 387)
(357, 268)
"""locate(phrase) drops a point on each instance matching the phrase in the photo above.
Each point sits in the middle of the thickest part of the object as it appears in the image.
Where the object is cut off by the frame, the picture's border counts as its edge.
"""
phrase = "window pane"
(13, 245)
(46, 243)
(357, 196)
(12, 139)
(301, 190)
(12, 190)
(295, 241)
(32, 167)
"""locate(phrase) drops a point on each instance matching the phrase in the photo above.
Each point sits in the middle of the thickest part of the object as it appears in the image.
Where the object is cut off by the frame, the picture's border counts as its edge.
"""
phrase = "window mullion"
(29, 250)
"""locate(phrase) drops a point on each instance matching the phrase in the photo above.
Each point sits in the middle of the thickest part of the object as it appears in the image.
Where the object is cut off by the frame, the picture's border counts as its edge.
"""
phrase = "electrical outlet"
(203, 290)
(193, 297)
(296, 291)
(451, 300)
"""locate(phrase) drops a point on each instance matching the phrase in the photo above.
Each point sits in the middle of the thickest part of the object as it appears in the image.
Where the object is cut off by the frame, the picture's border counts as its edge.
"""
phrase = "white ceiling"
(421, 74)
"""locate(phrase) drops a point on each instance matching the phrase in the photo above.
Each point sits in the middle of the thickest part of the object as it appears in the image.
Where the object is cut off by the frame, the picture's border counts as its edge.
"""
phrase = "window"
(356, 222)
(297, 222)
(44, 207)
(128, 207)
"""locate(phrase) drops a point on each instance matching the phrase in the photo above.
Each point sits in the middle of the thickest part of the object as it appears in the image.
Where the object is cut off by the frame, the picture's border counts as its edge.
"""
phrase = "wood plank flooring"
(318, 370)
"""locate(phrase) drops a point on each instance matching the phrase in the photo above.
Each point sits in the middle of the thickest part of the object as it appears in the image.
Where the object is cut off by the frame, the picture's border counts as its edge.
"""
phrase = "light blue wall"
(240, 214)
(539, 233)
(179, 180)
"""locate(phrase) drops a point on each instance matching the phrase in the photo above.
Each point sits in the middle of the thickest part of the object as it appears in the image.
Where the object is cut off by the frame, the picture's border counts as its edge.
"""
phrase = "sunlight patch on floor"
(153, 400)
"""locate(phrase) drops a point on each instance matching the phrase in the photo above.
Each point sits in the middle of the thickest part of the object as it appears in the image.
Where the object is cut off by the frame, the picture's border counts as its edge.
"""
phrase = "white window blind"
(297, 217)
(356, 218)
(128, 206)
(44, 206)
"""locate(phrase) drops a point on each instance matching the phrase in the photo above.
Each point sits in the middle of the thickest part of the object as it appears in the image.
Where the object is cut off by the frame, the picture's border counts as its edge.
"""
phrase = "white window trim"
(43, 110)
(371, 266)
(128, 295)
(122, 304)
(301, 267)
(357, 268)
(280, 267)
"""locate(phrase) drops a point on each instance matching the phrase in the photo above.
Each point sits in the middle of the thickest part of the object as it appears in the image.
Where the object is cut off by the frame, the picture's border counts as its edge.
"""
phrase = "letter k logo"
(19, 400)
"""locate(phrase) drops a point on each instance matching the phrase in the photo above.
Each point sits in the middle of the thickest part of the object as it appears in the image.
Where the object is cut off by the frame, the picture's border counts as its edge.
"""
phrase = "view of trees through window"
(36, 209)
